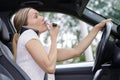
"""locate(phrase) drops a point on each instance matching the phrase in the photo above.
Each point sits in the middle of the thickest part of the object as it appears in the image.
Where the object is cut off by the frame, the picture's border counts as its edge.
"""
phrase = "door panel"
(74, 72)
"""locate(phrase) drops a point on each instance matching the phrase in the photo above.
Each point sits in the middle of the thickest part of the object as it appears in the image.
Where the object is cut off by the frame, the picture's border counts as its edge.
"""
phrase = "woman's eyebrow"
(36, 13)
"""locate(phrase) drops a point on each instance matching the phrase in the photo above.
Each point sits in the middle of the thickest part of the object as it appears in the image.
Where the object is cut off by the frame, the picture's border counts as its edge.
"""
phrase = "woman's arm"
(37, 51)
(64, 54)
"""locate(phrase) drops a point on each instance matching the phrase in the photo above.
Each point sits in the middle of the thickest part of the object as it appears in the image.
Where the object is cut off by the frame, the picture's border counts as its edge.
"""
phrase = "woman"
(31, 55)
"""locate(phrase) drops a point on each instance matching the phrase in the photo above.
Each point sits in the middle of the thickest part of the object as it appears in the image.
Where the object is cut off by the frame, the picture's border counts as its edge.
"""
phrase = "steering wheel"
(100, 52)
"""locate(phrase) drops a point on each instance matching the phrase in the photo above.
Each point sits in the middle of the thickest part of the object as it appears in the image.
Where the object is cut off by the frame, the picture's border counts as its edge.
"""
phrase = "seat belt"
(46, 76)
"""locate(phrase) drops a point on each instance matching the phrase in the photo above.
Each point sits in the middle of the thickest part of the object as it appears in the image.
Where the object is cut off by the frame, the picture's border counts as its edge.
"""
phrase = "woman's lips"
(46, 24)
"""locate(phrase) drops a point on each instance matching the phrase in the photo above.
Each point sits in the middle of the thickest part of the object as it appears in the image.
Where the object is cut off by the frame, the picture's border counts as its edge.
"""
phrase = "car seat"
(9, 70)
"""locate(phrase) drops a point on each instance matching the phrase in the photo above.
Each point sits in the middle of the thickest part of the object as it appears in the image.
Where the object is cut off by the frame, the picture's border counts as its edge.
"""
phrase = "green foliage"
(69, 34)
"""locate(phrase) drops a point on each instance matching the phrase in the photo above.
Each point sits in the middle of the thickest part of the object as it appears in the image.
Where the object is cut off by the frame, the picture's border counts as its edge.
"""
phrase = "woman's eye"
(35, 16)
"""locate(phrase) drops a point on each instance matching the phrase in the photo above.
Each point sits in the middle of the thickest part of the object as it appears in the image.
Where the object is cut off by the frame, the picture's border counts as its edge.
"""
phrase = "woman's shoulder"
(28, 35)
(29, 32)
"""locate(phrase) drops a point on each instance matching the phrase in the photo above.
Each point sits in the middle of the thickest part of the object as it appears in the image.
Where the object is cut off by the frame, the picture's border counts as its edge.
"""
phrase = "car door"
(77, 71)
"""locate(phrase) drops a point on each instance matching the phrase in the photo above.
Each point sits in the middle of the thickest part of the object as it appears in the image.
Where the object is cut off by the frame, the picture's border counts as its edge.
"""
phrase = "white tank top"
(25, 60)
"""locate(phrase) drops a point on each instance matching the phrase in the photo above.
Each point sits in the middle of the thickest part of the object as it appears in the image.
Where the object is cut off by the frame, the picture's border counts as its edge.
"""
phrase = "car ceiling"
(65, 6)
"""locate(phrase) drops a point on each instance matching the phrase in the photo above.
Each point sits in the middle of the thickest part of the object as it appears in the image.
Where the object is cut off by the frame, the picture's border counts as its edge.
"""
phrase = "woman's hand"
(101, 25)
(54, 31)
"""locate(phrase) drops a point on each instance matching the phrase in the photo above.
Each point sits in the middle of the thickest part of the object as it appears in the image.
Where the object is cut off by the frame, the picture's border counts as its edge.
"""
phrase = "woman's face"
(35, 21)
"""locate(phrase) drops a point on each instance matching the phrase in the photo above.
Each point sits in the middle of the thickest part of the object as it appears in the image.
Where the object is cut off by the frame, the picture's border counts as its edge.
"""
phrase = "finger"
(49, 26)
(107, 20)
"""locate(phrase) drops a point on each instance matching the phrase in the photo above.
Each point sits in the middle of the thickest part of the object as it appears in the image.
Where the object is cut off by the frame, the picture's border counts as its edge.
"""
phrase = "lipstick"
(53, 24)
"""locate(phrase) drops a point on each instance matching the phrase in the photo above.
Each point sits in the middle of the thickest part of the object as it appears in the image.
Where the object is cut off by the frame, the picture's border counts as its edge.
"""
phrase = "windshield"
(106, 8)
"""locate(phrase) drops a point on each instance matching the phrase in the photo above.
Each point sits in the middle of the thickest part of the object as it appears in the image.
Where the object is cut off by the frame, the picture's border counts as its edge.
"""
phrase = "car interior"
(107, 59)
(9, 70)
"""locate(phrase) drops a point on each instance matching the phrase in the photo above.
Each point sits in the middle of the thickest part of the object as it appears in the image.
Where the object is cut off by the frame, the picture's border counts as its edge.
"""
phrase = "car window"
(106, 8)
(72, 30)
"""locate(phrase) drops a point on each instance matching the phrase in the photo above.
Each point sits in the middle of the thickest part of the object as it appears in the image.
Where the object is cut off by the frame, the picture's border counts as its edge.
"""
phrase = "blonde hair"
(20, 20)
